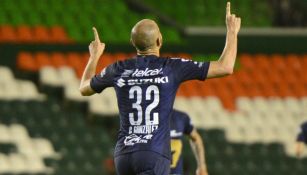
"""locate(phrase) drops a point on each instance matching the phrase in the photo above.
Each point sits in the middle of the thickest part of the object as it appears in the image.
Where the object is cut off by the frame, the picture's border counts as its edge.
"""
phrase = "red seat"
(74, 60)
(228, 102)
(299, 90)
(206, 89)
(246, 61)
(268, 90)
(25, 61)
(41, 34)
(278, 62)
(58, 35)
(8, 34)
(294, 61)
(24, 34)
(42, 59)
(244, 77)
(193, 89)
(58, 59)
(120, 56)
(284, 90)
(262, 62)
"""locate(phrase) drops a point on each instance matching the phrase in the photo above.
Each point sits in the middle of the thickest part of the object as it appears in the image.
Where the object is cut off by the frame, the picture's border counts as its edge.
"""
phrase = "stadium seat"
(5, 134)
(211, 10)
(44, 148)
(5, 166)
(49, 76)
(41, 35)
(7, 34)
(50, 15)
(35, 34)
(6, 74)
(25, 61)
(19, 163)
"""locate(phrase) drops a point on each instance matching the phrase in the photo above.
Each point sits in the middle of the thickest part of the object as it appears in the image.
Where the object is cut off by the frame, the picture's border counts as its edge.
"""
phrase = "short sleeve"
(188, 126)
(190, 70)
(103, 80)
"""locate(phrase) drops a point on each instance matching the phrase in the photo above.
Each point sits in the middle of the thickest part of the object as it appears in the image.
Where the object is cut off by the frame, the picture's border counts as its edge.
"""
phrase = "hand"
(96, 47)
(201, 171)
(233, 23)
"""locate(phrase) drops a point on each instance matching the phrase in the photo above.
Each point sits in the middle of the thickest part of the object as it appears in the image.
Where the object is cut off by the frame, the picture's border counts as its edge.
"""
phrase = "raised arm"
(224, 66)
(96, 49)
(199, 152)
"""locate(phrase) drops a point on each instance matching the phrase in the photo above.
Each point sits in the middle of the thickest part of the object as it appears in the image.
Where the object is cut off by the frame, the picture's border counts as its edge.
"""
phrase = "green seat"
(7, 148)
(17, 18)
(34, 19)
(3, 18)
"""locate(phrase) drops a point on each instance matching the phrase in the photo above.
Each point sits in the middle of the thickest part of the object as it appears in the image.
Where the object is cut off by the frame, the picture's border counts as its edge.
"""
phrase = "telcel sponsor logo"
(147, 72)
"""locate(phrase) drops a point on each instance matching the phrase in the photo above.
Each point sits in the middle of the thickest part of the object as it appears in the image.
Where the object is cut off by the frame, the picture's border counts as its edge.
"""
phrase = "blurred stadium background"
(249, 120)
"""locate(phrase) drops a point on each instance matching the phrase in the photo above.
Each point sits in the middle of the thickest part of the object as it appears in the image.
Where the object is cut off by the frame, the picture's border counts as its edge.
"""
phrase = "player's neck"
(155, 52)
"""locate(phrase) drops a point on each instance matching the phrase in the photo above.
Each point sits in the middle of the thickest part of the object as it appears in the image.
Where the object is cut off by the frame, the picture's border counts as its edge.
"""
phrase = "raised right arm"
(96, 49)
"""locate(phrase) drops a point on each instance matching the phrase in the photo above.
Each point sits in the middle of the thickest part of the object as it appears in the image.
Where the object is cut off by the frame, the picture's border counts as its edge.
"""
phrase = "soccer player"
(301, 139)
(180, 125)
(146, 87)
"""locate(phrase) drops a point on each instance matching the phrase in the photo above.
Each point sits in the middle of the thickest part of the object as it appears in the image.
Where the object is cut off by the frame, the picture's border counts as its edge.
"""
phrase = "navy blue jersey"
(145, 88)
(180, 125)
(302, 136)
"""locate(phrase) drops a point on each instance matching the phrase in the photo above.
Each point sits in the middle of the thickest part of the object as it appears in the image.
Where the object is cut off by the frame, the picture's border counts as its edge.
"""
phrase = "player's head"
(146, 36)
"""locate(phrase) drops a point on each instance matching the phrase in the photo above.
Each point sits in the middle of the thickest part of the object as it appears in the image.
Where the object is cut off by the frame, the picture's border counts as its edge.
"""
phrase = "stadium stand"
(231, 129)
(233, 124)
(39, 142)
(79, 146)
(32, 23)
(248, 121)
(35, 34)
(12, 89)
(209, 12)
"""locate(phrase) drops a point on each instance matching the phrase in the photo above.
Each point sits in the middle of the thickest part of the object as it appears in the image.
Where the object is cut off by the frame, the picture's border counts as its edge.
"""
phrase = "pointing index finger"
(96, 34)
(228, 9)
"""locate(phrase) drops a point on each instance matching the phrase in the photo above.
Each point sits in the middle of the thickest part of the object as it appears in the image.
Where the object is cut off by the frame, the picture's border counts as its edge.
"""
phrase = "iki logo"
(120, 82)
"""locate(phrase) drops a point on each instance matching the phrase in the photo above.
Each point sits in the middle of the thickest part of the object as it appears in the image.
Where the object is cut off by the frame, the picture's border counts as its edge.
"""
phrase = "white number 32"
(136, 93)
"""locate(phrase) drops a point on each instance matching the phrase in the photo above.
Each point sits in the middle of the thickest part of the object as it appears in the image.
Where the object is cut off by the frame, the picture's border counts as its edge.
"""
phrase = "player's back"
(146, 87)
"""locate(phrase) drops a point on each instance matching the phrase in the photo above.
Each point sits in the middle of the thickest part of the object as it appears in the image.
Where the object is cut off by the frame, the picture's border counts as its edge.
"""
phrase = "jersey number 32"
(151, 93)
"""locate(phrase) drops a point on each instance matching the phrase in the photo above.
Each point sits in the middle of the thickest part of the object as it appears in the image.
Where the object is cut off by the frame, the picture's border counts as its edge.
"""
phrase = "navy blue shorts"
(142, 163)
